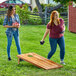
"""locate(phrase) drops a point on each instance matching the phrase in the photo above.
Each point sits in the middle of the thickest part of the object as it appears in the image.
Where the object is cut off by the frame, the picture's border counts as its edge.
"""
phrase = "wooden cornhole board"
(38, 61)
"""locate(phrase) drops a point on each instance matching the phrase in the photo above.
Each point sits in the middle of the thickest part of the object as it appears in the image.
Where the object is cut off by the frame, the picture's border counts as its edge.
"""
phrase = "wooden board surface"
(39, 61)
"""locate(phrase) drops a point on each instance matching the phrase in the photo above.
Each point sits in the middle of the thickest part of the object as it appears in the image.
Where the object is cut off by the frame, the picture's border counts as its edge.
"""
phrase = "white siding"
(26, 1)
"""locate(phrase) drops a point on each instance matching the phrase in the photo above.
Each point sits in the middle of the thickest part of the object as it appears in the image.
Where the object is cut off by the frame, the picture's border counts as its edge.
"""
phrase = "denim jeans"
(9, 41)
(53, 45)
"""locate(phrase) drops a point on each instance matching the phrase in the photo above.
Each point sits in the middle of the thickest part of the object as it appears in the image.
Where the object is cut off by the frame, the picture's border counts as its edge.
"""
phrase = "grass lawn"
(30, 36)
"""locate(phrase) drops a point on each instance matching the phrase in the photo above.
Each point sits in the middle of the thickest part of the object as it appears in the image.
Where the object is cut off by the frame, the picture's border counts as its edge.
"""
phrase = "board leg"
(18, 61)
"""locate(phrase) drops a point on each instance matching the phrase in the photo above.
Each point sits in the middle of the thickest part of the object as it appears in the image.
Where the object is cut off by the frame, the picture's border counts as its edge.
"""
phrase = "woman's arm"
(45, 34)
(13, 26)
(7, 26)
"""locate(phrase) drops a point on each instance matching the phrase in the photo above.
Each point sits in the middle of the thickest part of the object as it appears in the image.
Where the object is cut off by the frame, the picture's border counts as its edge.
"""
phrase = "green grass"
(30, 37)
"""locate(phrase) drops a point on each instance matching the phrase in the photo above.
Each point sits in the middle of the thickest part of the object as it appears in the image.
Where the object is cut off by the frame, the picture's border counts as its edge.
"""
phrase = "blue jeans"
(9, 42)
(53, 45)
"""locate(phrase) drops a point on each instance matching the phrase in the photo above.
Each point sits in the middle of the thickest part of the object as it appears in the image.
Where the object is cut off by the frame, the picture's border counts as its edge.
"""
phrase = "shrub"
(25, 17)
(34, 20)
(23, 13)
(35, 9)
(1, 21)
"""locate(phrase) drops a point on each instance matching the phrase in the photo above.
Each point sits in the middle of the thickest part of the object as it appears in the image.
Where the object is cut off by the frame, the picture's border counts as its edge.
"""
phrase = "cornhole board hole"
(38, 61)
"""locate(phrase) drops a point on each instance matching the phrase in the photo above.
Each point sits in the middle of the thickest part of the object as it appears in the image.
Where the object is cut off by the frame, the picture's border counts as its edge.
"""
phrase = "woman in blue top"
(12, 29)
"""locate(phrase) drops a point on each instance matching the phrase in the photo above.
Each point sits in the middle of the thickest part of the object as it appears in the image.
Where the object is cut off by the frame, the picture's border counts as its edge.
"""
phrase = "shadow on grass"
(28, 65)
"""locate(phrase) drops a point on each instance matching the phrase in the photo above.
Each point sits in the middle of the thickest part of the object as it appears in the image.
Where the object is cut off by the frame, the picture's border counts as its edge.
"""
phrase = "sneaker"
(9, 59)
(62, 62)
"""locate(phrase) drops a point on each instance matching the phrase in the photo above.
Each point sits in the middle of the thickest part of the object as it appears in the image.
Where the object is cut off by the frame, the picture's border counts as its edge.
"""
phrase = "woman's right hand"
(42, 42)
(45, 34)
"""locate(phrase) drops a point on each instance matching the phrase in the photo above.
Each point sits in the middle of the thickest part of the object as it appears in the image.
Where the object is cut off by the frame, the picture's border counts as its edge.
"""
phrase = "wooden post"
(18, 61)
(45, 14)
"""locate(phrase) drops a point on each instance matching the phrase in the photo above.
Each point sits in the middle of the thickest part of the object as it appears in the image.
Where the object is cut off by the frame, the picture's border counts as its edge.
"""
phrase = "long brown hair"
(51, 22)
(10, 11)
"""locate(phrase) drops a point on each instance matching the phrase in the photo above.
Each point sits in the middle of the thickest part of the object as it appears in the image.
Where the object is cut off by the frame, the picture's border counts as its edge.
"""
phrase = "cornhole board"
(38, 61)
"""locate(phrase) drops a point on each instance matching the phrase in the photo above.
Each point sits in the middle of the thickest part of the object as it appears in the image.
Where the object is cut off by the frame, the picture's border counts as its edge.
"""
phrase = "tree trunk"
(54, 8)
(39, 9)
(49, 10)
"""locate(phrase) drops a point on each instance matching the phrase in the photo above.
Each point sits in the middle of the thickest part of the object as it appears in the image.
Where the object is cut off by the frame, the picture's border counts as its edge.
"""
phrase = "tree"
(62, 2)
(39, 9)
(55, 8)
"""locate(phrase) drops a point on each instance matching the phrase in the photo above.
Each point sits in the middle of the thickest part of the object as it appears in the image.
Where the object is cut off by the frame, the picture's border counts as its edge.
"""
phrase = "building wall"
(72, 18)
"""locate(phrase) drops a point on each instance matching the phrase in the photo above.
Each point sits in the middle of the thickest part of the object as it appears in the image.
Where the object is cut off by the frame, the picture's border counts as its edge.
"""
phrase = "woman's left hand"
(17, 26)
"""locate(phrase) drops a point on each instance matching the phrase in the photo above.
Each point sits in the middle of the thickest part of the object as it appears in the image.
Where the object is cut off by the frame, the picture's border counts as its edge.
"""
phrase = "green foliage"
(1, 21)
(43, 7)
(25, 17)
(50, 5)
(23, 13)
(35, 20)
(63, 9)
(64, 1)
(35, 9)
